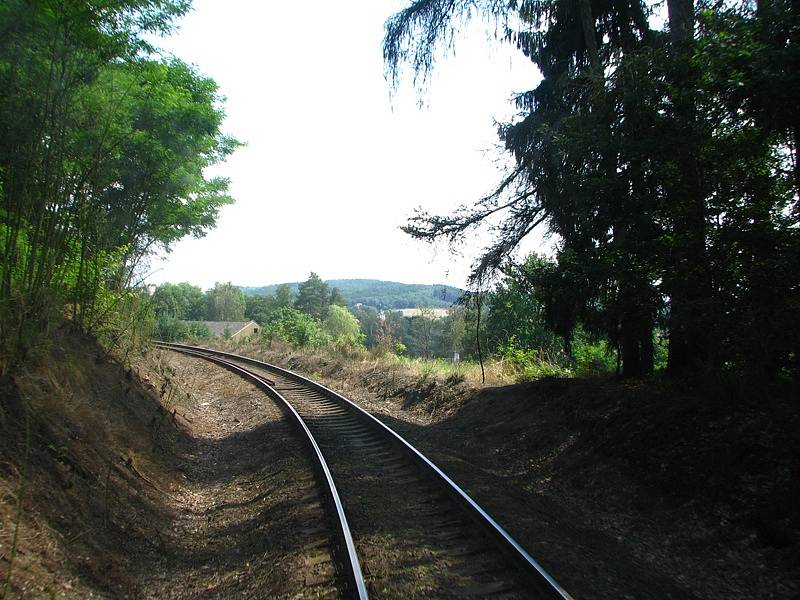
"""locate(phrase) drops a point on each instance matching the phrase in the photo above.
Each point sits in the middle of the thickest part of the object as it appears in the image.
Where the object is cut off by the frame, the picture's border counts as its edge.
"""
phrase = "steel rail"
(542, 582)
(347, 550)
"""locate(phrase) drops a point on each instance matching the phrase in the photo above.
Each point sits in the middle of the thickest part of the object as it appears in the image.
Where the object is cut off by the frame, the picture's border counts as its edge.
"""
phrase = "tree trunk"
(479, 304)
(589, 35)
(636, 338)
(796, 152)
(681, 21)
(688, 283)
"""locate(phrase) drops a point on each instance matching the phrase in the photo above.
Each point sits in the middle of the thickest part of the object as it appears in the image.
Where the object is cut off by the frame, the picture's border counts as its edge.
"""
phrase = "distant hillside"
(382, 294)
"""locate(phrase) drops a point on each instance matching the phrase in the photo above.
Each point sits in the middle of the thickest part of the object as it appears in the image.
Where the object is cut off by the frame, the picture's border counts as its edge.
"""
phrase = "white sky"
(332, 165)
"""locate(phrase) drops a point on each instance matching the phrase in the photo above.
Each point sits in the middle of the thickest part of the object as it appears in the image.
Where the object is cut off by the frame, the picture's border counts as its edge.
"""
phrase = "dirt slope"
(139, 487)
(623, 489)
(166, 481)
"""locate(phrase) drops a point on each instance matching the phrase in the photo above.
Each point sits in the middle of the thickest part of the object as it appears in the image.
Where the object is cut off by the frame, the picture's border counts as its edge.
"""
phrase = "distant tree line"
(316, 316)
(103, 149)
(663, 156)
(382, 294)
(513, 326)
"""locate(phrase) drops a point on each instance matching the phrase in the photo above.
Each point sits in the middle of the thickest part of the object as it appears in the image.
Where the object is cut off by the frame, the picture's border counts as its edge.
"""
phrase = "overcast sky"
(333, 165)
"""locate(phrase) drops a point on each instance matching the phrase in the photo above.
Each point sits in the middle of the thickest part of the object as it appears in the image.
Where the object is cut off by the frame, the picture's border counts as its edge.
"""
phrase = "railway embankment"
(172, 480)
(619, 487)
(152, 481)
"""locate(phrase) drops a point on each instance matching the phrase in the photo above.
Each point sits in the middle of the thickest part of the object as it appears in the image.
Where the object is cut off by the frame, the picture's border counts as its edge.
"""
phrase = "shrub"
(170, 329)
(198, 331)
(296, 328)
(342, 327)
(593, 358)
(529, 364)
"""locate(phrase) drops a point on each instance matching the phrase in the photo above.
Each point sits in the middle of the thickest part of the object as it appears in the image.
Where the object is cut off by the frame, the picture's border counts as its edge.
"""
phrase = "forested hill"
(381, 294)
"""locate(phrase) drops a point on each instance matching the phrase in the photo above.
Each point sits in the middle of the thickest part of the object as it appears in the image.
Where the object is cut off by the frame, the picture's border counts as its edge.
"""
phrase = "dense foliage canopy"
(663, 157)
(225, 302)
(102, 156)
(314, 296)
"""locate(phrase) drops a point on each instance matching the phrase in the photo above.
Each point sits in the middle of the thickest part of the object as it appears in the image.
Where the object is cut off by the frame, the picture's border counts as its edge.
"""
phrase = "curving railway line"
(402, 527)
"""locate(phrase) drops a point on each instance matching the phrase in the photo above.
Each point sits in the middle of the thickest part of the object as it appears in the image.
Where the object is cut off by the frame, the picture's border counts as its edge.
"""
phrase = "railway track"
(403, 528)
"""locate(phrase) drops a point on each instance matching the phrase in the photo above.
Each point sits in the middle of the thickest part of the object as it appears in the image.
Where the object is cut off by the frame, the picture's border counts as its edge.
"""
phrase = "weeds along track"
(412, 529)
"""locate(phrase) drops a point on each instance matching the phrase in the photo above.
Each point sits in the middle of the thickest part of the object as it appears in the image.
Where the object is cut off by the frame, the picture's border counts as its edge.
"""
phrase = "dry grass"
(88, 417)
(496, 372)
(359, 360)
(427, 388)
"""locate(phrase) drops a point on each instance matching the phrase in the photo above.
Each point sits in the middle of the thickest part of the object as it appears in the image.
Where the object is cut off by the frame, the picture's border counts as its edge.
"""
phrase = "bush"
(296, 328)
(170, 329)
(198, 331)
(530, 364)
(593, 358)
(123, 321)
(342, 327)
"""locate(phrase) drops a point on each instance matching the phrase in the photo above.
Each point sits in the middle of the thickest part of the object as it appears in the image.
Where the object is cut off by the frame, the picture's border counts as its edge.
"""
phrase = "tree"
(225, 302)
(102, 154)
(166, 133)
(394, 328)
(386, 340)
(688, 282)
(369, 322)
(453, 332)
(422, 332)
(179, 300)
(295, 327)
(651, 158)
(342, 326)
(516, 308)
(259, 308)
(313, 297)
(337, 298)
(170, 329)
(283, 296)
(568, 171)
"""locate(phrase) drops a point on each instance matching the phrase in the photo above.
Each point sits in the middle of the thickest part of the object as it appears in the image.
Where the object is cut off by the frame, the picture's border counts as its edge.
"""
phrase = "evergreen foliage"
(665, 161)
(314, 296)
